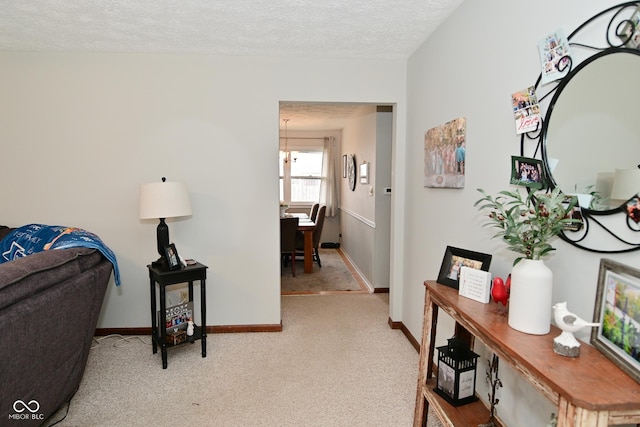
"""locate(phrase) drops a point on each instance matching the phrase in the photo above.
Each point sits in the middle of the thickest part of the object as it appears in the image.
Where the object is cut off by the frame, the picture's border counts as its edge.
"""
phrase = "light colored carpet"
(335, 363)
(334, 275)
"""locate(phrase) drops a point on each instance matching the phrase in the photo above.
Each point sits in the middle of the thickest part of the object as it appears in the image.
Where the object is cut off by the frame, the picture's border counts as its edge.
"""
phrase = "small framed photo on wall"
(344, 165)
(364, 173)
(528, 172)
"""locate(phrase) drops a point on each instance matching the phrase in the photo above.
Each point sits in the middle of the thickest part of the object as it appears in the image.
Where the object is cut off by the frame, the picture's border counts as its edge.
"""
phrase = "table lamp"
(164, 200)
(626, 184)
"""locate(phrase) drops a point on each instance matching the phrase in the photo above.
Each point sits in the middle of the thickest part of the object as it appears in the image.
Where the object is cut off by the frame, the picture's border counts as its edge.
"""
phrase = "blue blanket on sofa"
(33, 238)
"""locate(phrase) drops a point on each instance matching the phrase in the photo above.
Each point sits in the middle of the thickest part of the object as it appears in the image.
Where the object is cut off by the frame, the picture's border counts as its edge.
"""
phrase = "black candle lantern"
(456, 381)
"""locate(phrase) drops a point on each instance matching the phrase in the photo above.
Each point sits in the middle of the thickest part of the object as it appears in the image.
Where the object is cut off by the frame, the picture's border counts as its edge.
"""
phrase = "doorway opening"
(357, 232)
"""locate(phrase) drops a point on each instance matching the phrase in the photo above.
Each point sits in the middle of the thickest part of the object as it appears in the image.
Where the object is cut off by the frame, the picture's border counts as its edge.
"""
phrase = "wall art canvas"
(554, 56)
(526, 110)
(445, 154)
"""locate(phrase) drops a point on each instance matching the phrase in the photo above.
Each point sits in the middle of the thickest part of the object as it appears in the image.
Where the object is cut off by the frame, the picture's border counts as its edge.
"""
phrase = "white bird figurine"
(566, 344)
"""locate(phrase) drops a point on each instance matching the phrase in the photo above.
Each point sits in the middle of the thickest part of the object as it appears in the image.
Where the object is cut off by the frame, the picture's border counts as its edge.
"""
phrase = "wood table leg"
(308, 251)
(430, 322)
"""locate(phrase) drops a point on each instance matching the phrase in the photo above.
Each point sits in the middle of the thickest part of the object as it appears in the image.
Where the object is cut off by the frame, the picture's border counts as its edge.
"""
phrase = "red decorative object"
(499, 291)
(633, 209)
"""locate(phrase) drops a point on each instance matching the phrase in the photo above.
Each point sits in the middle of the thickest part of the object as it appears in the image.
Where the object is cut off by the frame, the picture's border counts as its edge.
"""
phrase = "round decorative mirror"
(588, 140)
(591, 131)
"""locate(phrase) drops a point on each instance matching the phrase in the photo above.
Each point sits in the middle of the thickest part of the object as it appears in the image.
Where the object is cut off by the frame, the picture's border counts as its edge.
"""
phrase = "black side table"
(163, 278)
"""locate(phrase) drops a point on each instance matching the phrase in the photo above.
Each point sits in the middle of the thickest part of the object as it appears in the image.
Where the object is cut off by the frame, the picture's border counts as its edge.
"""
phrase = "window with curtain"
(301, 176)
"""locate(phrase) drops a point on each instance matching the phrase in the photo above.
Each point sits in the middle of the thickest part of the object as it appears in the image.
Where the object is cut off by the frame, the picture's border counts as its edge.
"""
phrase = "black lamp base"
(161, 263)
(162, 237)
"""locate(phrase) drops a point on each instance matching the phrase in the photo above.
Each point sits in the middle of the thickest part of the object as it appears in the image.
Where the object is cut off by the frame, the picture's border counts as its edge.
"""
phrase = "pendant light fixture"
(287, 155)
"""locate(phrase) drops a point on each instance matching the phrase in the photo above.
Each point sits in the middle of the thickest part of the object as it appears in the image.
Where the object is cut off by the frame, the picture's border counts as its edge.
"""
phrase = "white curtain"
(329, 183)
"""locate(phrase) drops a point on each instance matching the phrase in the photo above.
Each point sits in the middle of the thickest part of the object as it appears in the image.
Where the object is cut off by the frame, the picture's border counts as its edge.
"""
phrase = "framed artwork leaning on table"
(617, 311)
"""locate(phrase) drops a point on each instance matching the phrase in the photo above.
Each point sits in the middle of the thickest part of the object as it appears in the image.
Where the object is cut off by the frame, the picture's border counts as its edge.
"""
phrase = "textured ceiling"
(334, 28)
(319, 116)
(375, 29)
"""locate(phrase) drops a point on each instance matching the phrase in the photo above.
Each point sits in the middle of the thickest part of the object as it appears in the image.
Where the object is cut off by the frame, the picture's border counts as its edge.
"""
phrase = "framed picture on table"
(454, 259)
(171, 254)
(618, 336)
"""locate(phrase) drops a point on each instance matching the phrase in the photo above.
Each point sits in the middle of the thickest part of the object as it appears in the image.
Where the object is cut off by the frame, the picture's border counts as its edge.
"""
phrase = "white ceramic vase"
(530, 297)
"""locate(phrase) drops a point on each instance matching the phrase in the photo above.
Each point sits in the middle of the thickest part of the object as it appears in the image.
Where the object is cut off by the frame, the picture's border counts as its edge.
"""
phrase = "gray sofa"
(49, 307)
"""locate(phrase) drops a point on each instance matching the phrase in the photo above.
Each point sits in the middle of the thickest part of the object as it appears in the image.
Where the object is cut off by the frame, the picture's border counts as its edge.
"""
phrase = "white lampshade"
(164, 200)
(626, 184)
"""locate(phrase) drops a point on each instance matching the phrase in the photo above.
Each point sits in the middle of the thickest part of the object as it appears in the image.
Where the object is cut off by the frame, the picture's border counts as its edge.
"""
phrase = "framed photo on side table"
(171, 253)
(618, 336)
(454, 259)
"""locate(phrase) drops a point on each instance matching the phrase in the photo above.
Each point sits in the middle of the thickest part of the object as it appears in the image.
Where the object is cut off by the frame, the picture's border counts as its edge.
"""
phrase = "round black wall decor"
(351, 171)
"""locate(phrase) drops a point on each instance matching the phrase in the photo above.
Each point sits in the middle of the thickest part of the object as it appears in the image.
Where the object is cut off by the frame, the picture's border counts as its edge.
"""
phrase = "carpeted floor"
(335, 363)
(335, 275)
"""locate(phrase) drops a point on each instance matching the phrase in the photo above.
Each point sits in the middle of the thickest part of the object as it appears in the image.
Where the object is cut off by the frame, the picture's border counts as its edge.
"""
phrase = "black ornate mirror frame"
(533, 144)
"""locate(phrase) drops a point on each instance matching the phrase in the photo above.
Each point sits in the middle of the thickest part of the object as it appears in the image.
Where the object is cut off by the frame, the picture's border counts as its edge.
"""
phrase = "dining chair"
(288, 229)
(317, 232)
(314, 212)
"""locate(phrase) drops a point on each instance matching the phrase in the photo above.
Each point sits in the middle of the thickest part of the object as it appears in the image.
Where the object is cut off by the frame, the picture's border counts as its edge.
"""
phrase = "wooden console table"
(588, 390)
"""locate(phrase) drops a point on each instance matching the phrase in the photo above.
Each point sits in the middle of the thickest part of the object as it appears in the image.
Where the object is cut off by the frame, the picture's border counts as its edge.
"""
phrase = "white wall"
(81, 132)
(381, 172)
(357, 207)
(469, 68)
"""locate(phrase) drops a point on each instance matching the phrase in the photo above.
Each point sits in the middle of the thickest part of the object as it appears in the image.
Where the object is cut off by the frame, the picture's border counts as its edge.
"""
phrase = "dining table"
(306, 226)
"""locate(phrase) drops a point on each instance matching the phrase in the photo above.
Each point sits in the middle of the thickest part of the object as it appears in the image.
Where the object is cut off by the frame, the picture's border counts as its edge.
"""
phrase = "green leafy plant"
(598, 202)
(527, 224)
